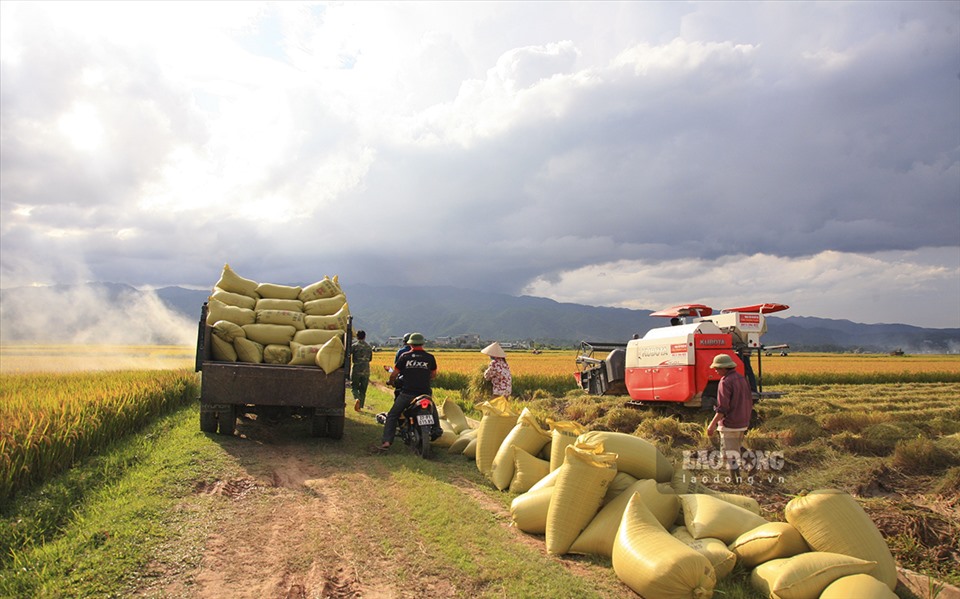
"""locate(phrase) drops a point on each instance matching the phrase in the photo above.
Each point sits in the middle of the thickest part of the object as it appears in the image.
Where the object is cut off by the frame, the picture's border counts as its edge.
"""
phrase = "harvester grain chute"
(672, 364)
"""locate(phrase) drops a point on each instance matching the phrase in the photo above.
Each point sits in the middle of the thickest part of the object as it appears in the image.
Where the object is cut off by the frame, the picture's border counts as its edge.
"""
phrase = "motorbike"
(419, 425)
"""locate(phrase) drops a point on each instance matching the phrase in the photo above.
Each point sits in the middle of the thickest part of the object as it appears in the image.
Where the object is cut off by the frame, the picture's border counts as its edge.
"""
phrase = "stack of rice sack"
(457, 432)
(278, 324)
(615, 495)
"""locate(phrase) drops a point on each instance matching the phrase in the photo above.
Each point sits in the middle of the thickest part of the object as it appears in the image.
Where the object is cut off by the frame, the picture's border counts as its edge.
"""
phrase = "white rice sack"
(547, 481)
(231, 281)
(527, 435)
(581, 484)
(528, 470)
(330, 355)
(470, 451)
(832, 521)
(217, 310)
(654, 563)
(332, 322)
(715, 550)
(463, 439)
(706, 516)
(277, 354)
(638, 457)
(233, 299)
(766, 542)
(269, 334)
(316, 336)
(269, 303)
(227, 331)
(324, 288)
(278, 291)
(284, 317)
(325, 306)
(248, 350)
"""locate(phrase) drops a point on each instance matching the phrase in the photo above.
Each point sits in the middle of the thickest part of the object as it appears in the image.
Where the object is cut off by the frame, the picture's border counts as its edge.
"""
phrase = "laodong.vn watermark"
(714, 465)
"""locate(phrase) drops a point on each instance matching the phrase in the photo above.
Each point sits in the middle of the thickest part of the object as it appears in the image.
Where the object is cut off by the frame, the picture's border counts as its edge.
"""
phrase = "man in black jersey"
(418, 368)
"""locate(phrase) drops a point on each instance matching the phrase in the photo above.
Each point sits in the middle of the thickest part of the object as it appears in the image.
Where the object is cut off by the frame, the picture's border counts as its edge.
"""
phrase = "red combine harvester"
(672, 364)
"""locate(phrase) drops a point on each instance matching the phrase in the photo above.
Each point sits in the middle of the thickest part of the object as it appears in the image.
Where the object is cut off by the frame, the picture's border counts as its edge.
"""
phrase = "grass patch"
(94, 530)
(921, 456)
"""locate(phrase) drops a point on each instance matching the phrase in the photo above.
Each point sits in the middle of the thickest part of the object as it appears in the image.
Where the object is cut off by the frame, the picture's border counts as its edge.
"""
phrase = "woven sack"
(270, 334)
(277, 354)
(529, 510)
(463, 439)
(470, 451)
(227, 331)
(330, 355)
(654, 563)
(283, 317)
(620, 483)
(217, 310)
(861, 586)
(324, 288)
(527, 435)
(581, 484)
(832, 520)
(273, 291)
(638, 457)
(231, 281)
(325, 306)
(769, 541)
(337, 320)
(248, 350)
(598, 537)
(269, 303)
(706, 516)
(715, 550)
(528, 470)
(233, 299)
(316, 336)
(562, 433)
(805, 576)
(452, 411)
(496, 422)
(222, 351)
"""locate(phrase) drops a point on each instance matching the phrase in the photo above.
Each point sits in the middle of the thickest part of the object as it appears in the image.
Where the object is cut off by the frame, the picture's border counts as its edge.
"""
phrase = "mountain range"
(103, 312)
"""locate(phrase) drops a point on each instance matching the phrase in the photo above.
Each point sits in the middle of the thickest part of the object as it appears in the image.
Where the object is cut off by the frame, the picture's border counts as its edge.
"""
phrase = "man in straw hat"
(498, 372)
(734, 407)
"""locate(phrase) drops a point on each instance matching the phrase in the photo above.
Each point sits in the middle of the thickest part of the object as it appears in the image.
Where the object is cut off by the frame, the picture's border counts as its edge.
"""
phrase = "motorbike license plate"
(423, 419)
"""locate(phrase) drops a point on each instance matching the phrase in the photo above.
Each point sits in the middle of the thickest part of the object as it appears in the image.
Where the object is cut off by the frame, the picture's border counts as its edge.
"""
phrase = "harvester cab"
(672, 364)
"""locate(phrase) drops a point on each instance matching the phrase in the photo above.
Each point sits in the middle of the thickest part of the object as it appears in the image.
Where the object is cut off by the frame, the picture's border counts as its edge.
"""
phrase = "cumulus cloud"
(511, 146)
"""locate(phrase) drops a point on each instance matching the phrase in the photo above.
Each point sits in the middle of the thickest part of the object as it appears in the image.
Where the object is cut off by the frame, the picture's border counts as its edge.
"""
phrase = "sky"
(637, 155)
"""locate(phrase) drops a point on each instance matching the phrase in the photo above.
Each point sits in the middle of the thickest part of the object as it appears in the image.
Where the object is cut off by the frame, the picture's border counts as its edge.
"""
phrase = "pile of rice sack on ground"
(278, 324)
(615, 495)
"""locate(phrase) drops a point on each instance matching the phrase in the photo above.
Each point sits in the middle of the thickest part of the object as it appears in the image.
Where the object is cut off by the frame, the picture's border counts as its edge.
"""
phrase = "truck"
(229, 389)
(671, 365)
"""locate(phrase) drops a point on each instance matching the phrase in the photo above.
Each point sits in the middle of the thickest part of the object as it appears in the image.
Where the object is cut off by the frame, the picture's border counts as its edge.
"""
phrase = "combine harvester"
(671, 365)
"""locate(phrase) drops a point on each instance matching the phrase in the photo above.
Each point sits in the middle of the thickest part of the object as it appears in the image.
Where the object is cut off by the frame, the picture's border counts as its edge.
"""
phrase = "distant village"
(464, 341)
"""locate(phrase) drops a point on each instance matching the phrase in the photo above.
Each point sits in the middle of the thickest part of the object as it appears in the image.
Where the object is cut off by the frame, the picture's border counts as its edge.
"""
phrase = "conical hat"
(494, 350)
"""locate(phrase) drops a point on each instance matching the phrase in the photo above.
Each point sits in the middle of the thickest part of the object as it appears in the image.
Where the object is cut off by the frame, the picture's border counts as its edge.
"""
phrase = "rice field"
(50, 420)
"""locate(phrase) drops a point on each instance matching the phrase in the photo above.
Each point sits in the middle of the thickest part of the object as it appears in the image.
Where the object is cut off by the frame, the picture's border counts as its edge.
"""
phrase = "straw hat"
(723, 361)
(494, 350)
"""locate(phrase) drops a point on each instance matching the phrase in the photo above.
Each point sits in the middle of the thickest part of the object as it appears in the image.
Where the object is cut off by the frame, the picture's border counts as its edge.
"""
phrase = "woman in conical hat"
(498, 372)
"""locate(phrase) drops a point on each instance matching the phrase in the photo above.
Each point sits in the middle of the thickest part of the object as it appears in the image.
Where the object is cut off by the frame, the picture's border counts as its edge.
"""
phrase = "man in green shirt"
(360, 355)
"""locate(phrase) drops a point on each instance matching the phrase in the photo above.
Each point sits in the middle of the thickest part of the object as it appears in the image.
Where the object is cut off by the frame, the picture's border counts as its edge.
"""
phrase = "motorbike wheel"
(421, 441)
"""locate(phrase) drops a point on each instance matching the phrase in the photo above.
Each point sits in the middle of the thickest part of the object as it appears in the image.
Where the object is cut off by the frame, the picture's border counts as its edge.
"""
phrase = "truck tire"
(335, 426)
(228, 421)
(318, 425)
(208, 421)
